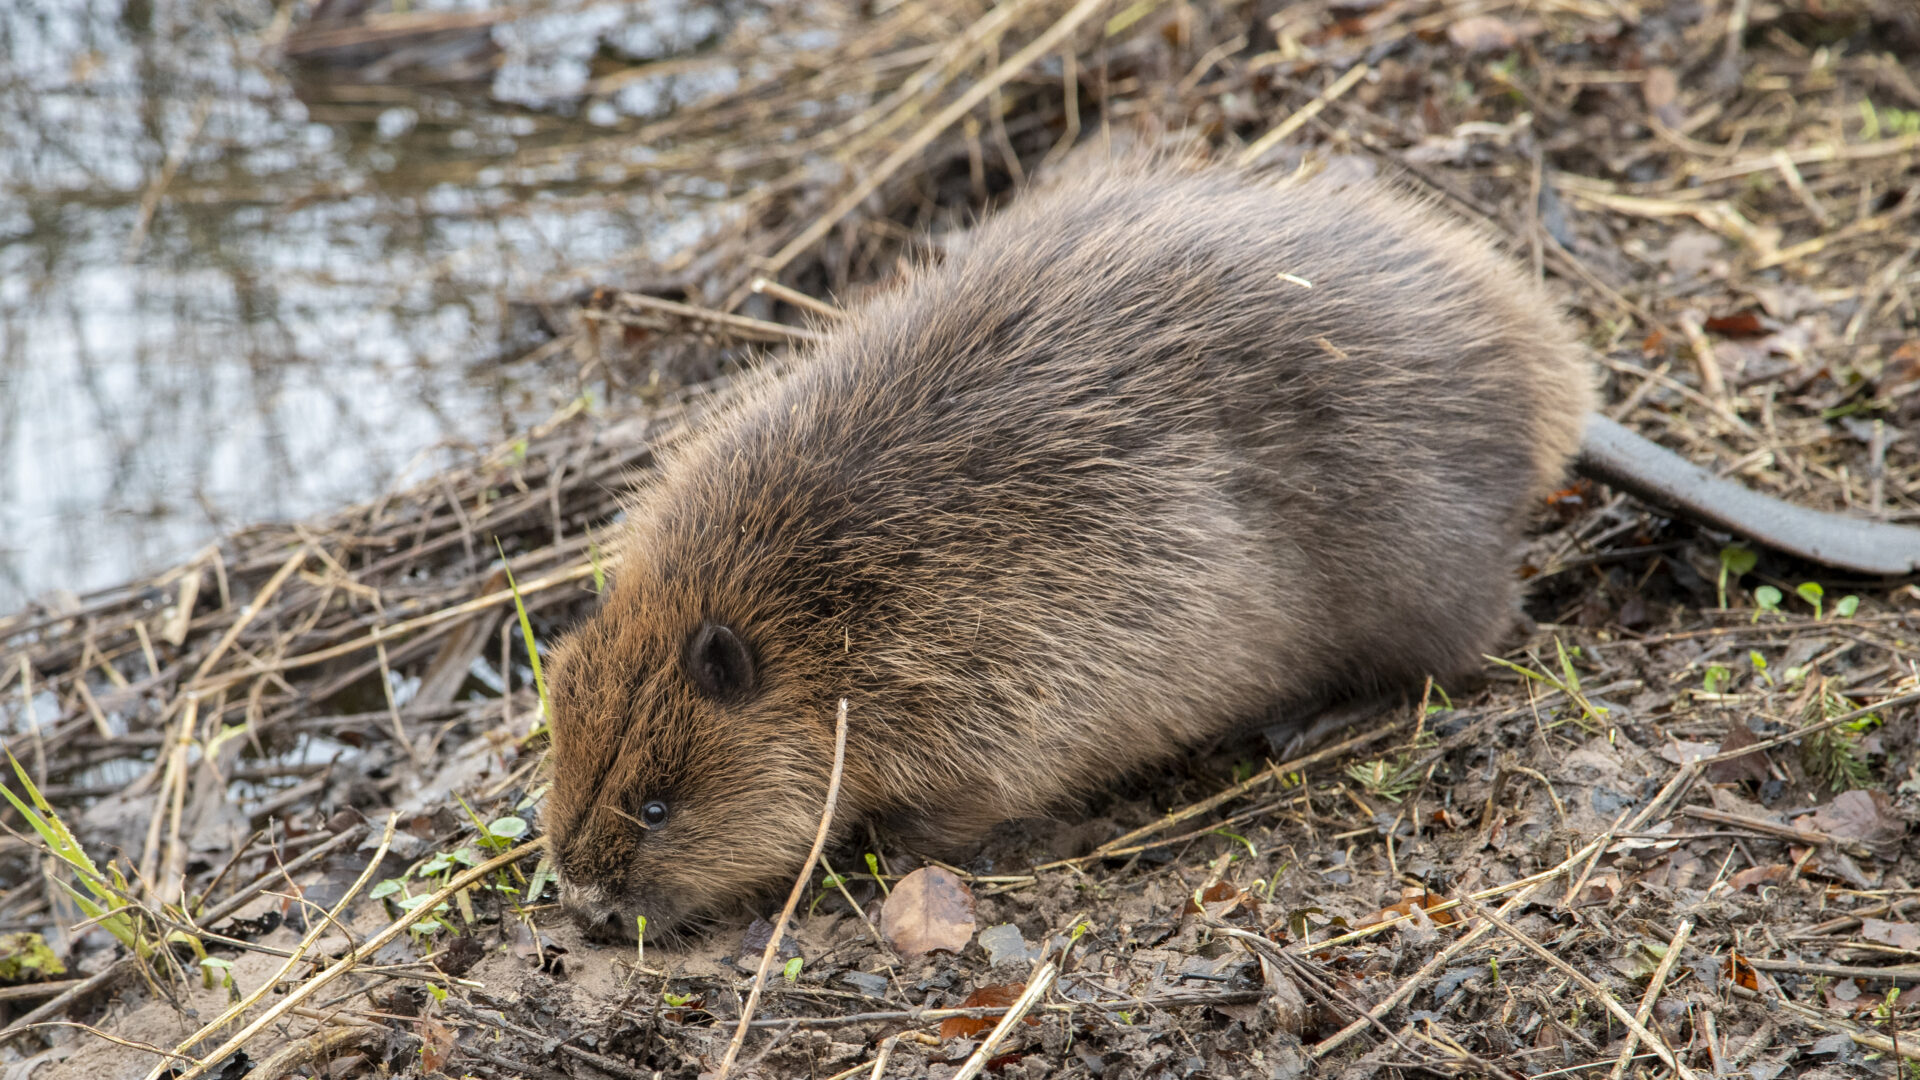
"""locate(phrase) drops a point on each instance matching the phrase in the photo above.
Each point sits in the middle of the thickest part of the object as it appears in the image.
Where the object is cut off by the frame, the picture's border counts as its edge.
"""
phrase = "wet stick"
(793, 898)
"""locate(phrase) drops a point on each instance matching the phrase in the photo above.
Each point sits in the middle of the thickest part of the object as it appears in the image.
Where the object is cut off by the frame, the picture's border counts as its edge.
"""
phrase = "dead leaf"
(1900, 935)
(1741, 972)
(1865, 816)
(1220, 900)
(929, 909)
(1902, 368)
(436, 1044)
(1826, 863)
(1742, 324)
(753, 945)
(999, 996)
(1680, 751)
(1755, 876)
(1412, 899)
(1601, 888)
(1482, 34)
(1751, 766)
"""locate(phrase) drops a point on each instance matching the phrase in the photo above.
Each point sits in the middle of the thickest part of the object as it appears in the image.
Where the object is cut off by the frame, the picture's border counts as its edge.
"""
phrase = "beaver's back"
(1153, 453)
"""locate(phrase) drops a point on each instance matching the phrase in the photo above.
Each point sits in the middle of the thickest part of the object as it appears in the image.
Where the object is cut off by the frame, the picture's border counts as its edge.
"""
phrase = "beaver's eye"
(718, 662)
(654, 813)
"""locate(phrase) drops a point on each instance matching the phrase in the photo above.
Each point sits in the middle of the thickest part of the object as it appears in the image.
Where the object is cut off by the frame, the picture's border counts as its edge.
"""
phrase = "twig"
(1596, 991)
(1194, 810)
(319, 927)
(1484, 894)
(1427, 971)
(931, 130)
(1305, 113)
(353, 959)
(389, 632)
(982, 1012)
(91, 1030)
(1652, 996)
(798, 299)
(1778, 832)
(793, 897)
(1036, 986)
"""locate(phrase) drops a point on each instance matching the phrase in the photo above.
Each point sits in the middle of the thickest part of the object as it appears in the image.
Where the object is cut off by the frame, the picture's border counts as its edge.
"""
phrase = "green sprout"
(1735, 561)
(1812, 593)
(1766, 599)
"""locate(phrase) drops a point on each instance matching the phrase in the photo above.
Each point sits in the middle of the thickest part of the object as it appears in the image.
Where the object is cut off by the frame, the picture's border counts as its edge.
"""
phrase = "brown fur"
(1102, 486)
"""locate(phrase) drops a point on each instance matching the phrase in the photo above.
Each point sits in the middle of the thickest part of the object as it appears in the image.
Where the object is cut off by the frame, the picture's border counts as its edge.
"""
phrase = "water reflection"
(230, 294)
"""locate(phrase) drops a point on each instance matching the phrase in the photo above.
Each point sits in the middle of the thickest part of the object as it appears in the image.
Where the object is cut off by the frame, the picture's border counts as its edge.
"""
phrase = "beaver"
(1155, 453)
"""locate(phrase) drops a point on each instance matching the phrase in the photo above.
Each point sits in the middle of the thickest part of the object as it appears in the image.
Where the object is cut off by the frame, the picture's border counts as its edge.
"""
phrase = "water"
(230, 294)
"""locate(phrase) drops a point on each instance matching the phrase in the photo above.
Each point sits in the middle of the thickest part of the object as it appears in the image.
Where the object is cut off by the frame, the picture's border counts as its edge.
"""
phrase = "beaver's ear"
(719, 664)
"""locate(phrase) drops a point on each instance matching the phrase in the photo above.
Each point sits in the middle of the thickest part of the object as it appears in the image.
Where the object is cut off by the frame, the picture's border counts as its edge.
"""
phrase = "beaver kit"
(1155, 454)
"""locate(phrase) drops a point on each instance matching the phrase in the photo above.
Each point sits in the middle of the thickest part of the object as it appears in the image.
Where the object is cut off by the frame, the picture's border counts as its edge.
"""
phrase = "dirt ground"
(1667, 834)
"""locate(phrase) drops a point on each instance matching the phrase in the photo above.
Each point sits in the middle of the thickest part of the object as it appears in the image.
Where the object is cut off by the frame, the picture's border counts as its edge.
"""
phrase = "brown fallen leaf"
(1601, 888)
(1864, 816)
(998, 996)
(436, 1044)
(1411, 899)
(1681, 751)
(1741, 324)
(1751, 766)
(929, 909)
(1755, 876)
(1738, 970)
(1900, 935)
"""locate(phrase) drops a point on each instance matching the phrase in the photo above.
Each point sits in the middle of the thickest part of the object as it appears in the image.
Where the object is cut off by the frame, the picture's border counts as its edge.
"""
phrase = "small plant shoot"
(1735, 562)
(1813, 594)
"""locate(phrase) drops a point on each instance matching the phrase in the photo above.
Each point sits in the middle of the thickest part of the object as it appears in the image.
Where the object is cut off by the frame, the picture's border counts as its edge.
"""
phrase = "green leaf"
(1845, 607)
(1812, 593)
(1766, 598)
(508, 828)
(1738, 559)
(385, 889)
(1716, 678)
(1735, 561)
(792, 970)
